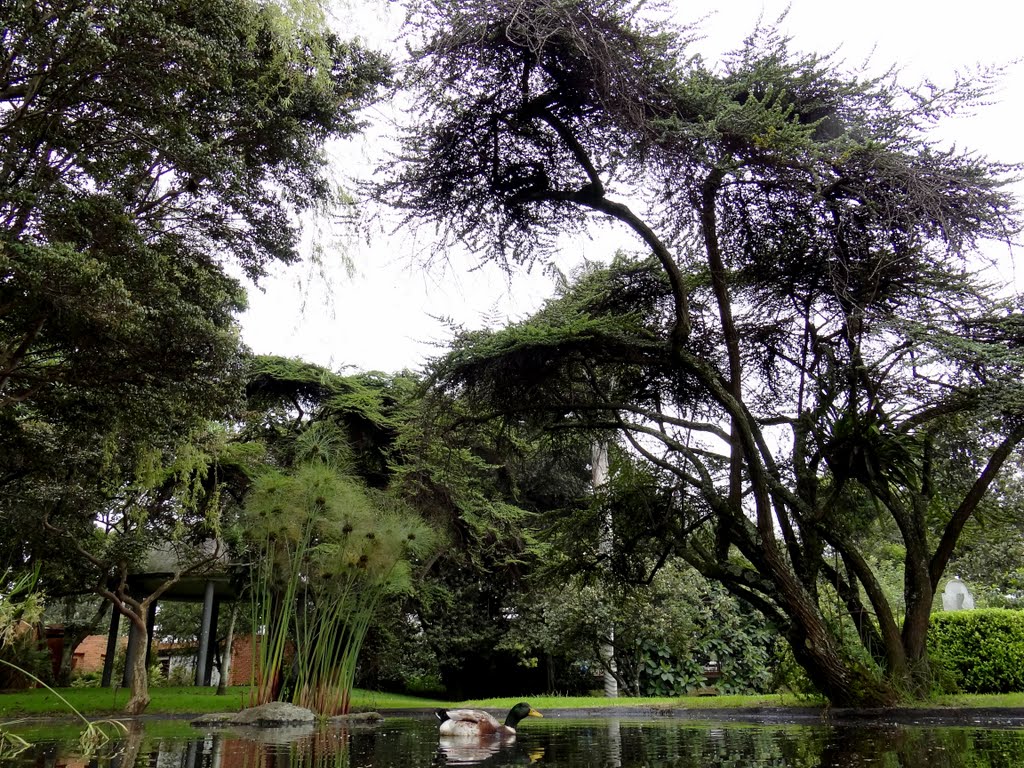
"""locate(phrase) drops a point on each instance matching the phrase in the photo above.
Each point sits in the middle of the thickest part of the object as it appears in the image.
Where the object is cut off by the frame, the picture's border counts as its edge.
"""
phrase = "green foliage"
(21, 610)
(665, 632)
(490, 492)
(992, 550)
(87, 680)
(20, 603)
(180, 676)
(982, 651)
(25, 660)
(325, 551)
(214, 115)
(147, 153)
(396, 655)
(799, 355)
(144, 148)
(480, 491)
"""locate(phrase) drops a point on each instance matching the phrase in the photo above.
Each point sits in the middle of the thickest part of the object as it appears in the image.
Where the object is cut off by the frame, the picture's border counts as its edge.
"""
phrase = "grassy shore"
(184, 700)
(108, 702)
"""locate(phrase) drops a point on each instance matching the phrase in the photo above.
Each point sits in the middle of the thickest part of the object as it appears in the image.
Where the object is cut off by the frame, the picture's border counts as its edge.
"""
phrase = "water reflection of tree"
(662, 745)
(328, 748)
(651, 744)
(126, 751)
(913, 747)
(728, 746)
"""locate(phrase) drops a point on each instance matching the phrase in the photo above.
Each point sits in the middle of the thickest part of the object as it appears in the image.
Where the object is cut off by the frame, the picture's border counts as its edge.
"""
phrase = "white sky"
(384, 316)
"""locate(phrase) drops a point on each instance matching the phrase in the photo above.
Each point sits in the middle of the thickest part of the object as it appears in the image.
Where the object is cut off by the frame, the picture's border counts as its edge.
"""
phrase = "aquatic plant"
(325, 549)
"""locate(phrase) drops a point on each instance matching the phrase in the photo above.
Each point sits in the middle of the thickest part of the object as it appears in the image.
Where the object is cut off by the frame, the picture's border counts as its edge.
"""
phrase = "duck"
(476, 722)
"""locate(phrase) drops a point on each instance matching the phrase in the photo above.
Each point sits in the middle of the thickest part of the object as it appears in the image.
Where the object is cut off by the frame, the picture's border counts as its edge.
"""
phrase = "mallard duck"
(476, 722)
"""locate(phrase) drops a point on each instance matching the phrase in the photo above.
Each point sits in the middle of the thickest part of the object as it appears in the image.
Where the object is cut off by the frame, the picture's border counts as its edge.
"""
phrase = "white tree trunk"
(599, 476)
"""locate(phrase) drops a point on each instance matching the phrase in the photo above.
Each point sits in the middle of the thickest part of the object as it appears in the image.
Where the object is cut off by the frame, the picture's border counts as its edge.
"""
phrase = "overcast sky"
(385, 315)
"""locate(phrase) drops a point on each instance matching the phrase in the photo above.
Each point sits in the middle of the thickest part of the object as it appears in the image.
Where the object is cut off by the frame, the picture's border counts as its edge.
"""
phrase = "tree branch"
(951, 533)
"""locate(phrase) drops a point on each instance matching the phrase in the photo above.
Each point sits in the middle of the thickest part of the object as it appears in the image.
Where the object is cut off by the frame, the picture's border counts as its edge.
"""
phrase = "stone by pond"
(569, 741)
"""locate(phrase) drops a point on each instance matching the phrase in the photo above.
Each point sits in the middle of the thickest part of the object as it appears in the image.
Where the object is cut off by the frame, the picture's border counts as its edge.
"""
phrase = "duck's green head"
(518, 712)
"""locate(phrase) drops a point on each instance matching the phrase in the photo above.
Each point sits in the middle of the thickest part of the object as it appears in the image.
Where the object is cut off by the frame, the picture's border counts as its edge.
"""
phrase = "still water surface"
(604, 743)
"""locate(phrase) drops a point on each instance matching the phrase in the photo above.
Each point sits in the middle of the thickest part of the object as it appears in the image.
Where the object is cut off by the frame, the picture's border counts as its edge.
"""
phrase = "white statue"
(956, 596)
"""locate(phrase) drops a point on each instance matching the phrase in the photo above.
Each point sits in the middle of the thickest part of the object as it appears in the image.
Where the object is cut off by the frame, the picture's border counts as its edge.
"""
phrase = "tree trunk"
(841, 683)
(67, 658)
(915, 641)
(138, 640)
(815, 648)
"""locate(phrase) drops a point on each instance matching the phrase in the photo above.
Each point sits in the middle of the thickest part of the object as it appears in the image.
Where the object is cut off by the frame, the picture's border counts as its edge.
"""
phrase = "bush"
(981, 651)
(87, 679)
(179, 675)
(24, 655)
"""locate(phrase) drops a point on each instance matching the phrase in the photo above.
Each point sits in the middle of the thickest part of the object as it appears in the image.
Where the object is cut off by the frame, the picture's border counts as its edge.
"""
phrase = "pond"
(555, 741)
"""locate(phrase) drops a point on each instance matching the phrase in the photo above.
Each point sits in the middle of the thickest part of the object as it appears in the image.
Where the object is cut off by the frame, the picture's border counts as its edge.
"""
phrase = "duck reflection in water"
(486, 750)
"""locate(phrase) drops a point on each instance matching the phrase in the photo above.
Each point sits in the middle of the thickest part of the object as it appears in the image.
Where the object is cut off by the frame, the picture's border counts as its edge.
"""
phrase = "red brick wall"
(92, 652)
(241, 660)
(242, 651)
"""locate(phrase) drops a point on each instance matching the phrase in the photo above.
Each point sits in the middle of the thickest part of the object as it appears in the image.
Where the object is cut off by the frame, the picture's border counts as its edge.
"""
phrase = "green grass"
(108, 702)
(978, 700)
(688, 702)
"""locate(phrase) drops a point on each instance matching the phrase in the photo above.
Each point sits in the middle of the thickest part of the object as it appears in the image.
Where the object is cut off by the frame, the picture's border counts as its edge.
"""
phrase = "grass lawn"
(182, 700)
(109, 702)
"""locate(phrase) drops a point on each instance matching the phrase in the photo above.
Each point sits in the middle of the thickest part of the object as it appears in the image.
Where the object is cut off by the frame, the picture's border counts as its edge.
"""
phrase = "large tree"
(149, 151)
(802, 334)
(144, 148)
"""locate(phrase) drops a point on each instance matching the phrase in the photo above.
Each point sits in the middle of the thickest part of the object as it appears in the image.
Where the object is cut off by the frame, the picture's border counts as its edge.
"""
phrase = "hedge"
(982, 651)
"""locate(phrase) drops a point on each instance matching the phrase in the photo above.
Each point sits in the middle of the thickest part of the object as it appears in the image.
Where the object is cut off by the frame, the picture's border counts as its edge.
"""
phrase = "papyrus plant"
(325, 551)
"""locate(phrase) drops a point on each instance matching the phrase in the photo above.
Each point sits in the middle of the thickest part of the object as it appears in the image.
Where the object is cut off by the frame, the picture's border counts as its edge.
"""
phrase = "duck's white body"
(473, 722)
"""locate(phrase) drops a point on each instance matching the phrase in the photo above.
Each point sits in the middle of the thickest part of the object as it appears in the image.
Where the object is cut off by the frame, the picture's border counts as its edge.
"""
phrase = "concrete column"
(150, 629)
(205, 633)
(211, 651)
(108, 662)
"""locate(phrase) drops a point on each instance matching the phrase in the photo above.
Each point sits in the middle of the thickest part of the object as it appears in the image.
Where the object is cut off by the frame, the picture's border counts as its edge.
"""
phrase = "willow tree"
(802, 330)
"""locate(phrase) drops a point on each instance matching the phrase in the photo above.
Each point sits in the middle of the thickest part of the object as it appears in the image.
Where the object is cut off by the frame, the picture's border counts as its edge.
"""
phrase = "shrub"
(87, 679)
(179, 675)
(981, 651)
(26, 657)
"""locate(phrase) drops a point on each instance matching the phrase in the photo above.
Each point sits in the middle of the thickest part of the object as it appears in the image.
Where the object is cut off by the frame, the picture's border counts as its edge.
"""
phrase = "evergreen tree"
(801, 329)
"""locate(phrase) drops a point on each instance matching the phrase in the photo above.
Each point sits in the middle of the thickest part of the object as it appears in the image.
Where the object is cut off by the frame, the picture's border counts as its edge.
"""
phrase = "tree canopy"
(149, 153)
(146, 149)
(803, 349)
(481, 493)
